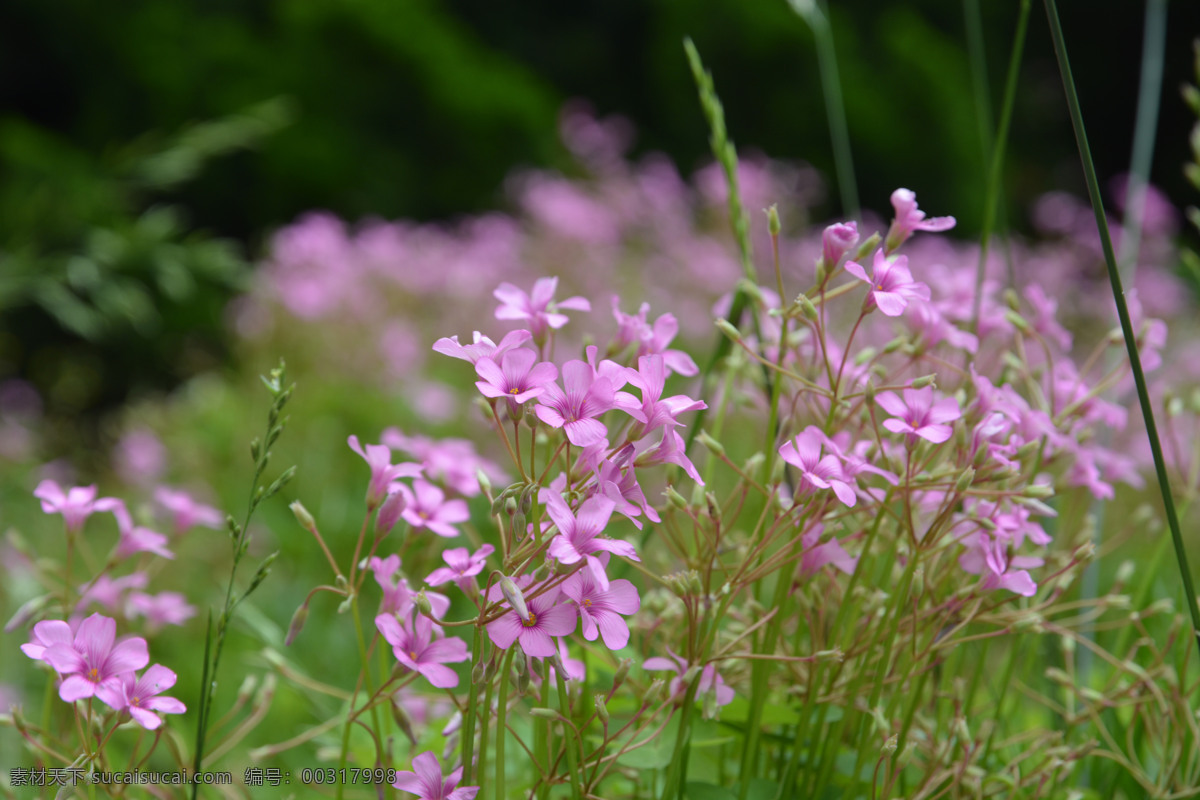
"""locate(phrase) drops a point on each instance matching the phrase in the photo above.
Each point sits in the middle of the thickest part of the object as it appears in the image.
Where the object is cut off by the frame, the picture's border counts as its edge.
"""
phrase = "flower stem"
(1114, 277)
(502, 722)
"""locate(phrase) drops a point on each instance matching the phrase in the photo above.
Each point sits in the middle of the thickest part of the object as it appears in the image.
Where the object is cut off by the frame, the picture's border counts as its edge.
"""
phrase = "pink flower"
(415, 647)
(460, 565)
(580, 536)
(106, 592)
(136, 539)
(892, 285)
(164, 608)
(600, 609)
(651, 340)
(516, 377)
(92, 658)
(817, 471)
(428, 508)
(185, 512)
(909, 219)
(710, 681)
(139, 696)
(397, 596)
(482, 346)
(451, 462)
(818, 555)
(383, 471)
(575, 409)
(76, 504)
(538, 308)
(987, 557)
(545, 620)
(426, 781)
(919, 415)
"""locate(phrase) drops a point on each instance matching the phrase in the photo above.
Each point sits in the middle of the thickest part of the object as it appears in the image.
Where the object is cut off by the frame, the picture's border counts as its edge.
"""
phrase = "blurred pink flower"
(427, 783)
(909, 219)
(892, 285)
(538, 308)
(76, 504)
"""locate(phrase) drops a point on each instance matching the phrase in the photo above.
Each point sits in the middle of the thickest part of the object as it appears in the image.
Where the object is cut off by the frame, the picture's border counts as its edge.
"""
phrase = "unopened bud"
(865, 355)
(693, 582)
(805, 307)
(544, 713)
(1018, 321)
(710, 443)
(726, 328)
(835, 654)
(836, 241)
(298, 620)
(964, 480)
(622, 672)
(303, 517)
(867, 247)
(891, 744)
(511, 505)
(247, 688)
(389, 513)
(345, 605)
(478, 674)
(925, 380)
(601, 709)
(751, 290)
(675, 498)
(1059, 676)
(485, 483)
(512, 593)
(714, 508)
(754, 464)
(692, 673)
(1125, 572)
(654, 691)
(423, 605)
(1040, 490)
(773, 226)
(520, 526)
(1012, 300)
(403, 721)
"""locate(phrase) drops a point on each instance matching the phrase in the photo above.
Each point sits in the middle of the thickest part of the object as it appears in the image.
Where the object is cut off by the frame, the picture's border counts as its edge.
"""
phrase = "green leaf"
(695, 790)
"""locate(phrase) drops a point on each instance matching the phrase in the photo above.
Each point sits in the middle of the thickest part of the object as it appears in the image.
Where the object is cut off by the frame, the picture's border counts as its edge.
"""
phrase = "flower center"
(133, 701)
(93, 675)
(515, 390)
(529, 623)
(587, 602)
(412, 654)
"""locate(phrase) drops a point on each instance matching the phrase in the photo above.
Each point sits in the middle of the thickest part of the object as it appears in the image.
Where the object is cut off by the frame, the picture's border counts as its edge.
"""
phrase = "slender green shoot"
(817, 18)
(996, 170)
(1114, 277)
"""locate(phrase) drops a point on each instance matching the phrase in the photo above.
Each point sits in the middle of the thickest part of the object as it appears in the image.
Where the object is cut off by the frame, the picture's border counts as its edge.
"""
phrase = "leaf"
(695, 790)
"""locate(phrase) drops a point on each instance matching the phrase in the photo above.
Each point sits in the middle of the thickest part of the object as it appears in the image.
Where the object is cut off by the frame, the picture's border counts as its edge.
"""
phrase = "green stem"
(468, 740)
(1114, 277)
(991, 199)
(571, 739)
(502, 722)
(835, 108)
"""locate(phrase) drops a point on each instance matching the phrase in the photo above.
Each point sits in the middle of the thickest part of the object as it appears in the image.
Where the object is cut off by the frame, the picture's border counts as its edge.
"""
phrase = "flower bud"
(511, 505)
(773, 226)
(345, 605)
(485, 483)
(601, 709)
(1125, 572)
(545, 713)
(805, 307)
(675, 498)
(891, 744)
(622, 672)
(925, 380)
(422, 603)
(297, 623)
(654, 692)
(867, 247)
(403, 721)
(964, 480)
(389, 513)
(713, 507)
(724, 326)
(303, 517)
(710, 443)
(836, 241)
(512, 593)
(865, 355)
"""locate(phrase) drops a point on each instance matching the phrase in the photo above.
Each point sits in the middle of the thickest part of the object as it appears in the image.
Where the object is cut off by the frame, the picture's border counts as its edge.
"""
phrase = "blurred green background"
(419, 109)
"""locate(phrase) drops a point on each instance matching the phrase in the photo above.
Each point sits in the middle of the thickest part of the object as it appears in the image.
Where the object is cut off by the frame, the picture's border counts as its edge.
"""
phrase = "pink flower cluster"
(92, 662)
